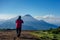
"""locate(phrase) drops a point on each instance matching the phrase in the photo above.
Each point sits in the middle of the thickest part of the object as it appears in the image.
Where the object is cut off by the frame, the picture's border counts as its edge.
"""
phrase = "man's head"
(19, 17)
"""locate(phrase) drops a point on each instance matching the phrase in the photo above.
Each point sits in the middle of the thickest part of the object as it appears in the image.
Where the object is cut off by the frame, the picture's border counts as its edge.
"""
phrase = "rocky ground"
(11, 35)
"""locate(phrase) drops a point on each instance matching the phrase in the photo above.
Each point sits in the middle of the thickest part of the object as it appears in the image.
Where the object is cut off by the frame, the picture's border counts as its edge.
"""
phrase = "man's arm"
(22, 21)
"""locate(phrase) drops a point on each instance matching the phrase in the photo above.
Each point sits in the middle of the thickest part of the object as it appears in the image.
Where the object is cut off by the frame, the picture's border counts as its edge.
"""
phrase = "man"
(19, 22)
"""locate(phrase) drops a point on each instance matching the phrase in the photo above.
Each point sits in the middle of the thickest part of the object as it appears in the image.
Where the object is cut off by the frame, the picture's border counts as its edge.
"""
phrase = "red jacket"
(19, 23)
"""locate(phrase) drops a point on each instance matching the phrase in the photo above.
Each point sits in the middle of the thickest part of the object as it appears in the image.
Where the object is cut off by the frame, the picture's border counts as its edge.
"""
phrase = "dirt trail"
(11, 35)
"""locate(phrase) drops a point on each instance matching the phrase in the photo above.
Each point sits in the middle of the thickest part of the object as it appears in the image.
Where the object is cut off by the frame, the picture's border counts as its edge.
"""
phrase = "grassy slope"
(52, 34)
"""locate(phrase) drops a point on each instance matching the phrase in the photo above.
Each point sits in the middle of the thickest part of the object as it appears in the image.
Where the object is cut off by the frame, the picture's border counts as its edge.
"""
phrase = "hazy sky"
(32, 7)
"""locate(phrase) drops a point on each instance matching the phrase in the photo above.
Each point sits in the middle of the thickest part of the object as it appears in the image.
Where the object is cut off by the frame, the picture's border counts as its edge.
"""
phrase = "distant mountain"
(53, 20)
(2, 21)
(30, 23)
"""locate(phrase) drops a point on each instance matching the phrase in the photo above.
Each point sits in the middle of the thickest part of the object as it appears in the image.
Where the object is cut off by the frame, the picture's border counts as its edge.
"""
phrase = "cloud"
(44, 17)
(50, 19)
(48, 16)
(6, 16)
(38, 17)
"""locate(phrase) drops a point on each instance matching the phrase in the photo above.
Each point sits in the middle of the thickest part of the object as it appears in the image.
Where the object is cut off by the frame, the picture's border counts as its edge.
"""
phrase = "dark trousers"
(18, 30)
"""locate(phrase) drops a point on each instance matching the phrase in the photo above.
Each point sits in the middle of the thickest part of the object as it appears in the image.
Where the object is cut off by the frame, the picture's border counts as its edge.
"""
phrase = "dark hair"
(19, 18)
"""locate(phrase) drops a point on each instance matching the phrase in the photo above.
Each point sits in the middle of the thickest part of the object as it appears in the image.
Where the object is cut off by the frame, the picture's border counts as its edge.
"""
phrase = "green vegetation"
(7, 29)
(52, 34)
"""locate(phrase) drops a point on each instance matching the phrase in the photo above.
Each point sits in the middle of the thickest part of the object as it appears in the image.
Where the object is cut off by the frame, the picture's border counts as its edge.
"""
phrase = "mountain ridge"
(30, 23)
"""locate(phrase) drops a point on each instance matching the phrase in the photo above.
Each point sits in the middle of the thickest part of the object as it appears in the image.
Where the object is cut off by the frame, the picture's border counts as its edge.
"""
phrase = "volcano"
(30, 23)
